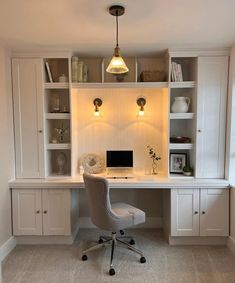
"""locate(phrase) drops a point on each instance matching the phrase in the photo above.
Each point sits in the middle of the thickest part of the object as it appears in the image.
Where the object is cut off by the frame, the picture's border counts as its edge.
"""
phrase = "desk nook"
(59, 120)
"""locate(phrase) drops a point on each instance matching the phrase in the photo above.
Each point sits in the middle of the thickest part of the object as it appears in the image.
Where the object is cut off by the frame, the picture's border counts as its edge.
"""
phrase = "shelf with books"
(56, 70)
(183, 69)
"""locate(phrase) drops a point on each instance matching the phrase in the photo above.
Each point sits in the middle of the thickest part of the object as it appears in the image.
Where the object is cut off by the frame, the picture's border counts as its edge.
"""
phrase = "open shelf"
(58, 146)
(56, 85)
(180, 146)
(181, 116)
(180, 176)
(121, 85)
(57, 115)
(189, 84)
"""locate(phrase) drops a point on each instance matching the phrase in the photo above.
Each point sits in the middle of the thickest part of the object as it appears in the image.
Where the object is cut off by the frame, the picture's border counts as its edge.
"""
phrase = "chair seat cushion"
(128, 214)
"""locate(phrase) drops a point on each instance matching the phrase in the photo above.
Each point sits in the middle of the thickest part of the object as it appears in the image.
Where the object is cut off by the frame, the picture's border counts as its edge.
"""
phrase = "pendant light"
(117, 64)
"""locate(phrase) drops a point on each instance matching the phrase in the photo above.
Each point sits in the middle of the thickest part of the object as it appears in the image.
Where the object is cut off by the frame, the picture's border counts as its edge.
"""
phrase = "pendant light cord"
(117, 29)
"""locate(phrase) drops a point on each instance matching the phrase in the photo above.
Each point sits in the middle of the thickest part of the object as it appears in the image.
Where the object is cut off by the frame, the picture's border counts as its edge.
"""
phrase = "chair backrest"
(99, 202)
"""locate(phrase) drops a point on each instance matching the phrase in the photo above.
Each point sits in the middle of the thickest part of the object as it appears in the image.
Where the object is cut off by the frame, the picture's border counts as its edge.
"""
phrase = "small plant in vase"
(155, 158)
(187, 170)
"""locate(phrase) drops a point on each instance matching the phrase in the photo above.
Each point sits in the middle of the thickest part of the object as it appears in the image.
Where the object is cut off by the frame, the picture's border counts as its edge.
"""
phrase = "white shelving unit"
(183, 124)
(59, 118)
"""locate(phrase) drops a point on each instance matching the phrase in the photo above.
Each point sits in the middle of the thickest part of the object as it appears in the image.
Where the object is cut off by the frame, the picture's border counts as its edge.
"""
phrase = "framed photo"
(177, 162)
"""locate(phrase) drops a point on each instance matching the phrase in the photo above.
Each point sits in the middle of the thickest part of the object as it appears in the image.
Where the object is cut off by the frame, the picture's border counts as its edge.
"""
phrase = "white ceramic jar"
(180, 104)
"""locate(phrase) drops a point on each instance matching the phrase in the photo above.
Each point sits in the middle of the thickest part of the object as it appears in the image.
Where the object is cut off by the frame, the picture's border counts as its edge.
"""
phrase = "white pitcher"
(180, 104)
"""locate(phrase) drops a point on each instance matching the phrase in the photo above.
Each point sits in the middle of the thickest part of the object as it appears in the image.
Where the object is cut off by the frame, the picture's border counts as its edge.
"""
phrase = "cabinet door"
(56, 212)
(27, 214)
(184, 212)
(211, 116)
(28, 117)
(214, 212)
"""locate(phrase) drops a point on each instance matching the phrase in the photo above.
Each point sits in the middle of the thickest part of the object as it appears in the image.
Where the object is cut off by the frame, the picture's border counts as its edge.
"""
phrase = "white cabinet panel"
(211, 118)
(56, 212)
(184, 212)
(28, 117)
(27, 213)
(214, 212)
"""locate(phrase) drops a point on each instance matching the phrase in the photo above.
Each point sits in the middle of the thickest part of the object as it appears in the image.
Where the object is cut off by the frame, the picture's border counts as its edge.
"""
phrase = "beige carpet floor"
(62, 264)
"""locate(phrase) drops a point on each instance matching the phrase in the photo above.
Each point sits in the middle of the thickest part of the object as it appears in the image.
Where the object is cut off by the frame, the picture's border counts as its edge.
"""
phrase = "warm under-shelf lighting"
(97, 102)
(117, 64)
(141, 103)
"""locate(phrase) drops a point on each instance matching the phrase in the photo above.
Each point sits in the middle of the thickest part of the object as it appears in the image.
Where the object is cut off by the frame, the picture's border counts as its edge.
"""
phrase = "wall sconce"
(141, 103)
(97, 102)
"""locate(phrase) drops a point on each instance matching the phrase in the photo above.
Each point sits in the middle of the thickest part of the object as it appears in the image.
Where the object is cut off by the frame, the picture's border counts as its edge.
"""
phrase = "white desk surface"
(138, 182)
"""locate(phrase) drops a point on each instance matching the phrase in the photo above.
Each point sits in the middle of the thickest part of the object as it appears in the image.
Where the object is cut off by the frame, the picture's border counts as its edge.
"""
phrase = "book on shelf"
(176, 72)
(49, 72)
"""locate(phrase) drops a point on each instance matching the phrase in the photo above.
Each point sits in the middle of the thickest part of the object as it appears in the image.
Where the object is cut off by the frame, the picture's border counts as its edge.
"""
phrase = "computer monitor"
(119, 158)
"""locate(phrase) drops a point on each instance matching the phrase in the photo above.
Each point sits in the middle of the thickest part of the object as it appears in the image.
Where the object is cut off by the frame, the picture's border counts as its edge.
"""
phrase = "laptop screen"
(119, 158)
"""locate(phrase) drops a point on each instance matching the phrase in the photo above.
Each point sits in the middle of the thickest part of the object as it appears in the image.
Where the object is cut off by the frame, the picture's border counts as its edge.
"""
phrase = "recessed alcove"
(119, 126)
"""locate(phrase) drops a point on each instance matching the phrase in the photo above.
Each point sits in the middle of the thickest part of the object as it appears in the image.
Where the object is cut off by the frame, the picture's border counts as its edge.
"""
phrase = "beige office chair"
(113, 218)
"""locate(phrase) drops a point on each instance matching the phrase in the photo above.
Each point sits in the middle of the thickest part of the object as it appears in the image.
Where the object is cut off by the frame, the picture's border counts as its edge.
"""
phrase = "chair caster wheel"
(111, 271)
(132, 242)
(100, 241)
(84, 257)
(142, 259)
(122, 232)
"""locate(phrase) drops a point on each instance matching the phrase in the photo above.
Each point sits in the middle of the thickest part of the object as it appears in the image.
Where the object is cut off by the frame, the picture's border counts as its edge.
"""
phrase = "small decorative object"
(180, 104)
(53, 140)
(62, 131)
(65, 110)
(61, 160)
(85, 73)
(187, 170)
(80, 71)
(63, 79)
(152, 76)
(56, 105)
(92, 163)
(74, 64)
(155, 158)
(177, 162)
(180, 139)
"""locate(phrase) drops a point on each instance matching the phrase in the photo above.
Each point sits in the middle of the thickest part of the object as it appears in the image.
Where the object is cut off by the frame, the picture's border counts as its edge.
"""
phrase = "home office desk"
(50, 207)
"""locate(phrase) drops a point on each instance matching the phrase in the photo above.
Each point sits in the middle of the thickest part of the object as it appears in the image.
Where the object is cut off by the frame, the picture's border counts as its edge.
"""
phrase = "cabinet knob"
(40, 131)
(203, 212)
(38, 211)
(199, 131)
(45, 211)
(195, 212)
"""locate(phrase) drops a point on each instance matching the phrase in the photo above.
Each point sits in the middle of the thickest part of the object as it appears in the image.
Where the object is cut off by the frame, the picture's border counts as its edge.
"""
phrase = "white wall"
(231, 137)
(6, 146)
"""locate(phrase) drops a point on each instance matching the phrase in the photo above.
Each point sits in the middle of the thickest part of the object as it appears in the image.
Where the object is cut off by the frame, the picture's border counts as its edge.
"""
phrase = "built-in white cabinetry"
(200, 212)
(27, 78)
(211, 118)
(41, 212)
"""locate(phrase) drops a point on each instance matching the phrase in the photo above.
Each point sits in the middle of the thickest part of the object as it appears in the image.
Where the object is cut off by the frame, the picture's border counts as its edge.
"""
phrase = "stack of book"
(176, 72)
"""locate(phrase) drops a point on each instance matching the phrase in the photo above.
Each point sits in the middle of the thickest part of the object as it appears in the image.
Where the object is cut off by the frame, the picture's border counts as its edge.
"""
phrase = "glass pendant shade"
(117, 64)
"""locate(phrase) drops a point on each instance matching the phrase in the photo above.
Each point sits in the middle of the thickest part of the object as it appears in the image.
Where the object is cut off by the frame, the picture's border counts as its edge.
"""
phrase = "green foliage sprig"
(153, 154)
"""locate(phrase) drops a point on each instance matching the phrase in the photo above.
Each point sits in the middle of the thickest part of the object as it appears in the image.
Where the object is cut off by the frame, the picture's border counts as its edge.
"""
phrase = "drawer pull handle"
(45, 211)
(38, 211)
(196, 212)
(203, 212)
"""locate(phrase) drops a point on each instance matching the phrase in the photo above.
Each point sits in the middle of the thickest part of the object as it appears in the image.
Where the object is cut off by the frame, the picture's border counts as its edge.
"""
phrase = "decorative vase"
(180, 104)
(154, 167)
(61, 160)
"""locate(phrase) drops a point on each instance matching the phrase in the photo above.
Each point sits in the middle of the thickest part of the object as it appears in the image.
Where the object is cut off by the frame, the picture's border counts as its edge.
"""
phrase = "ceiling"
(86, 27)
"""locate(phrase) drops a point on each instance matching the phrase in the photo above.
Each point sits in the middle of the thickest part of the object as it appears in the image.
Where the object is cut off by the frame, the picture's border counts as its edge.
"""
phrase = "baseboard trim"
(7, 247)
(44, 240)
(220, 241)
(151, 222)
(231, 244)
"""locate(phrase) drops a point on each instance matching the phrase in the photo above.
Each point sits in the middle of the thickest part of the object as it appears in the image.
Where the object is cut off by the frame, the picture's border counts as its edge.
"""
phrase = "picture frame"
(177, 162)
